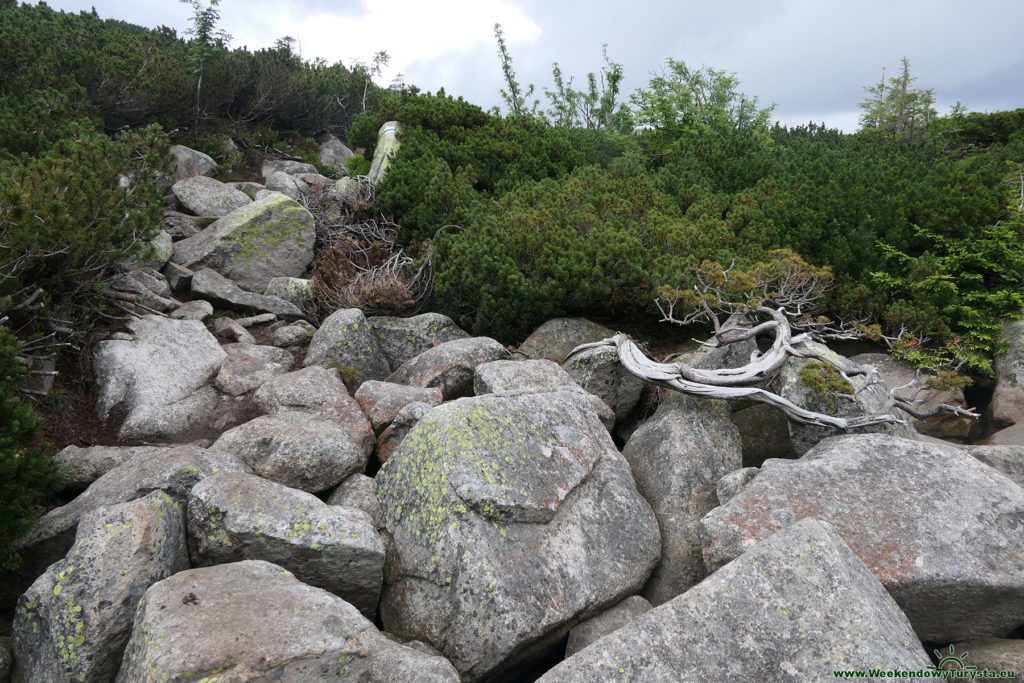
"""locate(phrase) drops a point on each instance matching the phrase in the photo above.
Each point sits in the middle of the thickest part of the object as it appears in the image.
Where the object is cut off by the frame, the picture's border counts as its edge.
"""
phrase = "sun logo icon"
(951, 661)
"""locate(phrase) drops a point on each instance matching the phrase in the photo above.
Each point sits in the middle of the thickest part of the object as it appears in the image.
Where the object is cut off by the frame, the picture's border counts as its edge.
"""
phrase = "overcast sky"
(812, 58)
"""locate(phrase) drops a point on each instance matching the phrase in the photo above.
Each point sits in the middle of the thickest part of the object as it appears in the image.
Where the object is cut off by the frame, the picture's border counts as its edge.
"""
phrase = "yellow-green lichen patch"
(266, 225)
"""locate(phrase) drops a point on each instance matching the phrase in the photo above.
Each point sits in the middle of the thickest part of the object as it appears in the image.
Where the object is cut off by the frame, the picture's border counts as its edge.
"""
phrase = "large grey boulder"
(402, 339)
(179, 225)
(1006, 459)
(211, 285)
(248, 366)
(557, 337)
(606, 622)
(382, 401)
(1007, 405)
(599, 372)
(189, 162)
(764, 431)
(512, 518)
(1010, 436)
(73, 623)
(989, 654)
(677, 458)
(867, 401)
(449, 366)
(159, 376)
(268, 238)
(896, 373)
(144, 286)
(346, 341)
(294, 290)
(320, 393)
(334, 153)
(288, 185)
(173, 470)
(204, 196)
(234, 516)
(253, 620)
(937, 527)
(795, 607)
(83, 466)
(295, 449)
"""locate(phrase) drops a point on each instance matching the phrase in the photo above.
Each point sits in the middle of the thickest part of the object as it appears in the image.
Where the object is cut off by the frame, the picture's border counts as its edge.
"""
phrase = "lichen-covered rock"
(346, 341)
(385, 150)
(382, 401)
(234, 517)
(939, 528)
(154, 254)
(532, 375)
(174, 470)
(557, 337)
(83, 466)
(449, 366)
(294, 290)
(298, 333)
(295, 449)
(599, 371)
(1006, 459)
(204, 196)
(248, 366)
(402, 339)
(677, 458)
(288, 185)
(512, 517)
(320, 393)
(270, 237)
(272, 166)
(253, 620)
(159, 376)
(190, 162)
(1007, 405)
(869, 401)
(796, 607)
(74, 621)
(606, 622)
(357, 492)
(399, 428)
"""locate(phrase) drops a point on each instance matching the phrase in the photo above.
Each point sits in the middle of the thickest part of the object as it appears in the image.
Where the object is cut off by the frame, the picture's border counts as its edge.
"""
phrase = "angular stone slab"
(357, 492)
(267, 238)
(402, 339)
(234, 516)
(213, 286)
(796, 607)
(449, 366)
(83, 466)
(253, 620)
(74, 622)
(940, 529)
(382, 401)
(202, 196)
(295, 449)
(512, 517)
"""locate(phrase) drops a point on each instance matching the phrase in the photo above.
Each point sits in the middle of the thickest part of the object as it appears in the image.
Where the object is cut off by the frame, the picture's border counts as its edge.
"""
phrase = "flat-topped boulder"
(254, 620)
(402, 339)
(235, 516)
(211, 285)
(203, 196)
(557, 337)
(937, 527)
(449, 366)
(346, 341)
(267, 238)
